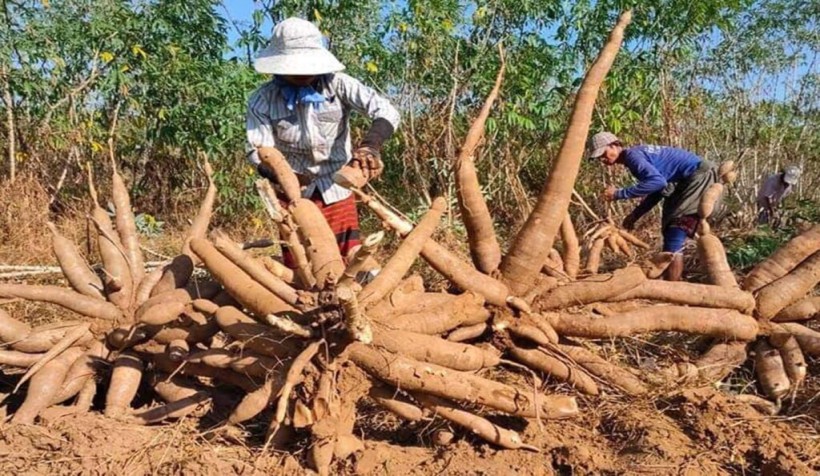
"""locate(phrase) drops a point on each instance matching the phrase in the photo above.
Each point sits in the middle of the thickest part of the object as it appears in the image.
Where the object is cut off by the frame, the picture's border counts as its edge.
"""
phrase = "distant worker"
(676, 176)
(774, 189)
(304, 112)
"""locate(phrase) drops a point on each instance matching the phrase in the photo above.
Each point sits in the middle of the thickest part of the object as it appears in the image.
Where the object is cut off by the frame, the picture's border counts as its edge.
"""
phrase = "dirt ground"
(692, 432)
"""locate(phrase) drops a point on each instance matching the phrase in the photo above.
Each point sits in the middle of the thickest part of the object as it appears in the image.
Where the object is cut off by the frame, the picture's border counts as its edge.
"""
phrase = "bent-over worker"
(675, 176)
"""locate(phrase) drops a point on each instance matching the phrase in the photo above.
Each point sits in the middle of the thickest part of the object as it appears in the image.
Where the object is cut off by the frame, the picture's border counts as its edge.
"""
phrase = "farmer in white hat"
(676, 176)
(304, 112)
(775, 188)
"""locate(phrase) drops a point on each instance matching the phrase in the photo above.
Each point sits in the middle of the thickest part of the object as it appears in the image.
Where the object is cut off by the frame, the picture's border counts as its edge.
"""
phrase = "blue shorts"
(674, 237)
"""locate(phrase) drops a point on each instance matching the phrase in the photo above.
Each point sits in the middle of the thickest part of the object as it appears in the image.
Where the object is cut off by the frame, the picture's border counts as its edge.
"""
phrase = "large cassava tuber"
(720, 323)
(787, 290)
(784, 259)
(531, 246)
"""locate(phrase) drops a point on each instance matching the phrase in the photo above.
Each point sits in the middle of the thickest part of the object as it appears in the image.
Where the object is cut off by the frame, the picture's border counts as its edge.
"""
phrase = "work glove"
(369, 161)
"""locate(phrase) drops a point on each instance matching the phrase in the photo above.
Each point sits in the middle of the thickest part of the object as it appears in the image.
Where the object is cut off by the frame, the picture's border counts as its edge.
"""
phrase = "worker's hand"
(369, 160)
(609, 193)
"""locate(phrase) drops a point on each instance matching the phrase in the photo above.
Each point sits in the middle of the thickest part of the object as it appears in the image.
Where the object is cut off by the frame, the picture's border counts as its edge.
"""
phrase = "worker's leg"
(674, 237)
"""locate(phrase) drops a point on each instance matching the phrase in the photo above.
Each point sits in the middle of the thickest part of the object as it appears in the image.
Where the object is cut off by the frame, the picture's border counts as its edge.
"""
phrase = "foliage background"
(164, 81)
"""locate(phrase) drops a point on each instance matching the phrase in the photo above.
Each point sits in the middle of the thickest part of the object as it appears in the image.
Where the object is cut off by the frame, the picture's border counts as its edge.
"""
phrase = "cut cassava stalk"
(319, 242)
(357, 324)
(199, 227)
(593, 289)
(441, 259)
(401, 261)
(531, 246)
(415, 376)
(571, 250)
(544, 362)
(690, 294)
(125, 380)
(254, 269)
(720, 323)
(391, 399)
(287, 326)
(605, 370)
(468, 308)
(44, 386)
(784, 259)
(770, 371)
(713, 258)
(66, 298)
(251, 294)
(74, 266)
(362, 257)
(484, 247)
(805, 309)
(477, 425)
(789, 289)
(126, 225)
(435, 350)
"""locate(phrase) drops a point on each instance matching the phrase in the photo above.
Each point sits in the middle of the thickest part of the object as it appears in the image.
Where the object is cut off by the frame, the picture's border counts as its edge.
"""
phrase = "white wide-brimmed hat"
(296, 49)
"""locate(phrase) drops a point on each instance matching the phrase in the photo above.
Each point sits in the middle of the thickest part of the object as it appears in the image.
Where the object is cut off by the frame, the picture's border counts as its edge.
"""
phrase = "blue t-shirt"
(655, 166)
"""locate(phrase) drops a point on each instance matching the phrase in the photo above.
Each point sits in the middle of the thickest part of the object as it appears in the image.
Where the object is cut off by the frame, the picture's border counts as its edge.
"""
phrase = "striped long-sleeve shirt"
(314, 138)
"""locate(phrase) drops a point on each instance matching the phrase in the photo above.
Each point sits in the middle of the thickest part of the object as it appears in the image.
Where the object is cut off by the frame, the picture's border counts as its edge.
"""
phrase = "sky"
(240, 11)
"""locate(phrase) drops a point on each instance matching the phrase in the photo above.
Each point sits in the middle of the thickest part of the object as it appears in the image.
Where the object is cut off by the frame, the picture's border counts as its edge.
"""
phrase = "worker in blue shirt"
(676, 176)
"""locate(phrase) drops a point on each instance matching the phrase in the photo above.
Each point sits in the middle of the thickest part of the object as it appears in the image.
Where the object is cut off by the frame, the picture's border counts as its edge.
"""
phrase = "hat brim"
(597, 152)
(790, 179)
(305, 63)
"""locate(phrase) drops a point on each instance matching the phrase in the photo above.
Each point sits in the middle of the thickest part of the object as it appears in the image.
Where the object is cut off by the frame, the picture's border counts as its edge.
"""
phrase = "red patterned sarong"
(343, 219)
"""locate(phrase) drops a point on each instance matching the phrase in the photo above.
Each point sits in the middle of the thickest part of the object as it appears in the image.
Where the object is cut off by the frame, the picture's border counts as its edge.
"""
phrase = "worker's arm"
(650, 181)
(648, 203)
(259, 130)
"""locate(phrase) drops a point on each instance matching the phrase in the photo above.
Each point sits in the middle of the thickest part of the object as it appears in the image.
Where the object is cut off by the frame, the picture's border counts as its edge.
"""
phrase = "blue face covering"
(298, 94)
